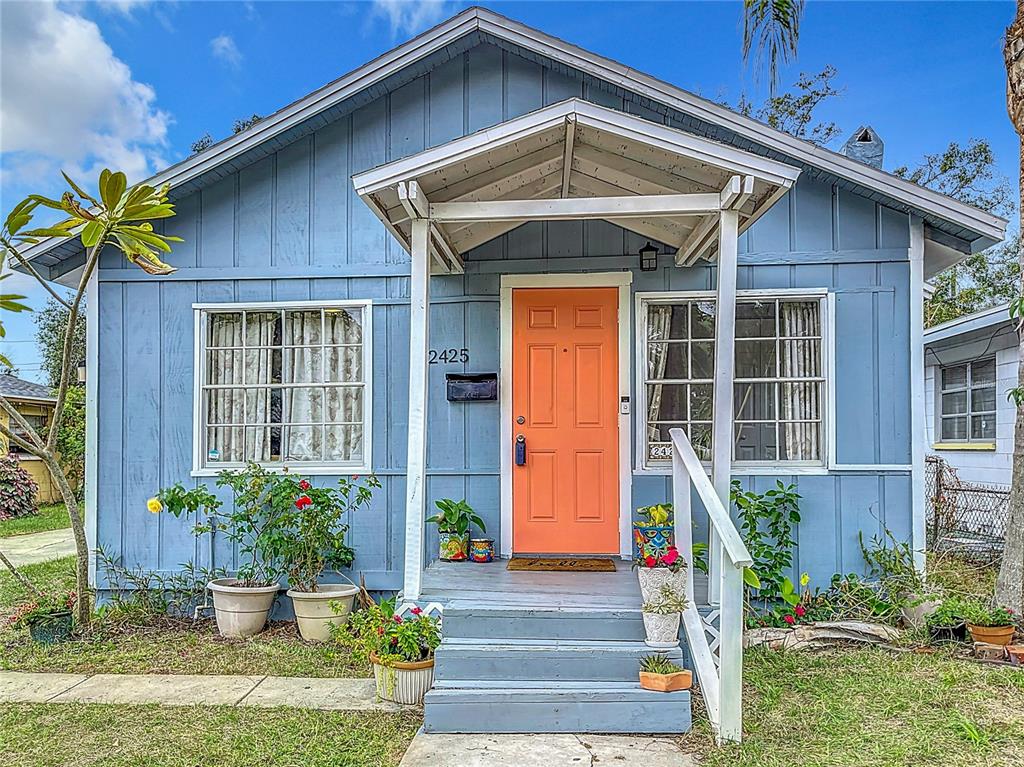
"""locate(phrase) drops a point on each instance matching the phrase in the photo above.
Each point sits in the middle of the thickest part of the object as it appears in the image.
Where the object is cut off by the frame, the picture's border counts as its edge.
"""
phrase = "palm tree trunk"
(1010, 583)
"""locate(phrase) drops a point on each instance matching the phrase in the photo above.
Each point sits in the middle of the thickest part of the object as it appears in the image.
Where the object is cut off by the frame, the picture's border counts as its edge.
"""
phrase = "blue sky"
(133, 83)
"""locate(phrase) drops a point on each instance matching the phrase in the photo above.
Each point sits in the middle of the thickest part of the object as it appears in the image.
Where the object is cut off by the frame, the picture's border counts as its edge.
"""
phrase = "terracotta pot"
(653, 579)
(1001, 635)
(1016, 654)
(681, 680)
(662, 630)
(402, 682)
(241, 610)
(313, 611)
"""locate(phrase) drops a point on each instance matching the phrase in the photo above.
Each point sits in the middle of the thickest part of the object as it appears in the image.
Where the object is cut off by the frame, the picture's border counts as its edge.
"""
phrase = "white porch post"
(918, 536)
(415, 488)
(722, 418)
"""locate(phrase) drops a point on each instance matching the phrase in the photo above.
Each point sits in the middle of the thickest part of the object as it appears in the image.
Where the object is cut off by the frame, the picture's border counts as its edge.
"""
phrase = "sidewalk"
(38, 547)
(190, 690)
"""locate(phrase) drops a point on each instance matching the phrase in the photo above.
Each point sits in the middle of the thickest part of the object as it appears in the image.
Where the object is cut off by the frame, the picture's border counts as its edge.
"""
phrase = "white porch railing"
(719, 662)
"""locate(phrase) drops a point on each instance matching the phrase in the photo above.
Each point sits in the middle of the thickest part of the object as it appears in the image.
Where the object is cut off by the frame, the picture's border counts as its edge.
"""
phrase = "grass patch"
(121, 736)
(161, 646)
(872, 708)
(50, 517)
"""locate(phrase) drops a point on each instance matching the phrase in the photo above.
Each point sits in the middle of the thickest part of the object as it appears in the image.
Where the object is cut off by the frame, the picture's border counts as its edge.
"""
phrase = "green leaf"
(78, 190)
(750, 578)
(112, 186)
(92, 233)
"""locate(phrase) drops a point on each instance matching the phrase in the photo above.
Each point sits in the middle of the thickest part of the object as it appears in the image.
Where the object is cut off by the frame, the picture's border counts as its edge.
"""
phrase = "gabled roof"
(20, 389)
(960, 228)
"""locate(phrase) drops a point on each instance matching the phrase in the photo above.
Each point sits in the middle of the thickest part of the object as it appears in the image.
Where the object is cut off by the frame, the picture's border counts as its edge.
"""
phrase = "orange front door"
(565, 497)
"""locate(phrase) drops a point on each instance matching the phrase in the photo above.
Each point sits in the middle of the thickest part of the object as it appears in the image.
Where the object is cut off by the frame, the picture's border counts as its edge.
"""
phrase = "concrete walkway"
(38, 547)
(191, 690)
(543, 751)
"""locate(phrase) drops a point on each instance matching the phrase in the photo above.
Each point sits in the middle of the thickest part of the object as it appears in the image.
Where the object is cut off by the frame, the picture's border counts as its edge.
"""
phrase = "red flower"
(398, 619)
(303, 502)
(671, 556)
(304, 485)
(380, 631)
(355, 477)
(789, 619)
(415, 611)
(651, 560)
(800, 611)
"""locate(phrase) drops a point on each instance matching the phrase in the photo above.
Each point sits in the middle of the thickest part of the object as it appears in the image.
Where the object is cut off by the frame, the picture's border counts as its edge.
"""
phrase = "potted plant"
(400, 649)
(453, 522)
(660, 674)
(918, 606)
(994, 625)
(47, 617)
(661, 617)
(653, 532)
(946, 623)
(655, 570)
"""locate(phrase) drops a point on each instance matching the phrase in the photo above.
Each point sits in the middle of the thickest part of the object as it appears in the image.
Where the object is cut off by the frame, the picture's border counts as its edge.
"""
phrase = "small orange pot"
(991, 634)
(1016, 653)
(681, 680)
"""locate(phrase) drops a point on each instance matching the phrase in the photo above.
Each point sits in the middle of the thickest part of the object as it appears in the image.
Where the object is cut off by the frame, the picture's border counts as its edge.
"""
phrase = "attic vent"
(865, 146)
(864, 137)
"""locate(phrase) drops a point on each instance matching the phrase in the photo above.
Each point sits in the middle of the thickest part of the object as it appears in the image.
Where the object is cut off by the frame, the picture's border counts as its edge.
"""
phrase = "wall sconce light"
(81, 372)
(648, 258)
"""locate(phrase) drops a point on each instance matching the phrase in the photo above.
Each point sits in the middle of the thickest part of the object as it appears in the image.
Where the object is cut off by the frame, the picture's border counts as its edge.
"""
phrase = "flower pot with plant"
(661, 616)
(658, 570)
(993, 625)
(946, 623)
(48, 617)
(400, 649)
(453, 520)
(653, 531)
(660, 674)
(310, 539)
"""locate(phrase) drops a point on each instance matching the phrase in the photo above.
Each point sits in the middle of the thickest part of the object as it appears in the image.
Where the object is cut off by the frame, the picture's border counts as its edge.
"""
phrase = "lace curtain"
(800, 402)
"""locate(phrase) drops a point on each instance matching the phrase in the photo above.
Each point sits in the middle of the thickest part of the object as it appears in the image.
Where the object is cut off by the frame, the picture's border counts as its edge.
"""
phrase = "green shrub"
(658, 664)
(18, 491)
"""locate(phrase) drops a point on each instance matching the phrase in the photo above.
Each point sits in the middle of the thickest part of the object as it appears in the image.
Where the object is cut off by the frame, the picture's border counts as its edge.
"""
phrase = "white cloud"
(223, 47)
(66, 101)
(407, 17)
(124, 7)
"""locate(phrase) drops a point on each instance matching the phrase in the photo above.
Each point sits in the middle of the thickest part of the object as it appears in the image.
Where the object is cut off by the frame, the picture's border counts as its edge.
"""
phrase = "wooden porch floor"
(447, 582)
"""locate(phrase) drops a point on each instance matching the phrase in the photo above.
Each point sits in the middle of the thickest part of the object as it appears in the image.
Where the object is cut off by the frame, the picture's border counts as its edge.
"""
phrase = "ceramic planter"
(241, 610)
(652, 539)
(481, 549)
(401, 682)
(956, 633)
(914, 617)
(1000, 635)
(653, 579)
(662, 630)
(51, 629)
(454, 546)
(681, 680)
(314, 612)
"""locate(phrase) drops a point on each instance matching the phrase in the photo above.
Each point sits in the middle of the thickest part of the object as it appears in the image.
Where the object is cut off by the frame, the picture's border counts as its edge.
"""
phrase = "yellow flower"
(154, 505)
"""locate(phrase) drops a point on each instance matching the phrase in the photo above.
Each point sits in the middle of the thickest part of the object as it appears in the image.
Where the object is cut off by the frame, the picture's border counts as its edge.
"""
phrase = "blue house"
(660, 294)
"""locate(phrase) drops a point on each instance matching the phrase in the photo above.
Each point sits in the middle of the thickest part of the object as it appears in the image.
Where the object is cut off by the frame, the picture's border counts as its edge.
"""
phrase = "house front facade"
(34, 402)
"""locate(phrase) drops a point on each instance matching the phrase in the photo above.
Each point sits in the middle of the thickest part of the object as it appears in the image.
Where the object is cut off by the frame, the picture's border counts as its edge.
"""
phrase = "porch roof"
(662, 183)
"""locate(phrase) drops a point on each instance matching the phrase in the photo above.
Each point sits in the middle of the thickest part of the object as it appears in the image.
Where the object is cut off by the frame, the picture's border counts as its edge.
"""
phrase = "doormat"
(567, 565)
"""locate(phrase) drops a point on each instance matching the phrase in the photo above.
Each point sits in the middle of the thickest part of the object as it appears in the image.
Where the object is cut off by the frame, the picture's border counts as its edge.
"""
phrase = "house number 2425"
(443, 356)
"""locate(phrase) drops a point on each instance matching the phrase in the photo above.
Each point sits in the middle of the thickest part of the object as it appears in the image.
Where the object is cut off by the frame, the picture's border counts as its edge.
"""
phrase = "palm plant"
(771, 29)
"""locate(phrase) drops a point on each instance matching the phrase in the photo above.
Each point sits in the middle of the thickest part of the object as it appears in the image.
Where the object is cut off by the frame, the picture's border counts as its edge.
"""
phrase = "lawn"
(121, 736)
(162, 647)
(50, 517)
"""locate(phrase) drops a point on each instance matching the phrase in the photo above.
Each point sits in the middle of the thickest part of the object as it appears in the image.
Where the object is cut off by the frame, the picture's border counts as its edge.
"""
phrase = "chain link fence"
(966, 518)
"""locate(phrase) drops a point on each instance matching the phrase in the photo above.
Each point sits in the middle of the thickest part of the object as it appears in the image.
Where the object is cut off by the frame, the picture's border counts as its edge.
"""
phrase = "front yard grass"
(161, 646)
(54, 735)
(50, 517)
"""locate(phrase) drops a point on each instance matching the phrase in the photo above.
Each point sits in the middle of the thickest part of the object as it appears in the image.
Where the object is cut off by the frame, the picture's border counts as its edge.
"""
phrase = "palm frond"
(771, 30)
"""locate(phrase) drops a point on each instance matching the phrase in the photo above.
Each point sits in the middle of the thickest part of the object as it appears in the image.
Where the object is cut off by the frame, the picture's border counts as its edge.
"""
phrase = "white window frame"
(201, 312)
(821, 466)
(969, 413)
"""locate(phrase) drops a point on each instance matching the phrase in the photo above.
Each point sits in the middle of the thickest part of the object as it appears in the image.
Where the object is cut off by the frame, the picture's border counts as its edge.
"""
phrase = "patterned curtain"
(800, 401)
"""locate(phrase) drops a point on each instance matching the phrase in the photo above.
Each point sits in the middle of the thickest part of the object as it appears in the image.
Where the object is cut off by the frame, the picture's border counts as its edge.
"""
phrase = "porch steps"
(506, 668)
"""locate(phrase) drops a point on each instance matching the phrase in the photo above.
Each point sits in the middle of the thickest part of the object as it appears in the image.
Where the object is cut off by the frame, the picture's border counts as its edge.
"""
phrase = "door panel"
(565, 499)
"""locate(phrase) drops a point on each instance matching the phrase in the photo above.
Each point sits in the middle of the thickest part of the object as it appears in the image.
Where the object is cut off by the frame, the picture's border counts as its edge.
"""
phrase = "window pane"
(667, 360)
(755, 359)
(799, 318)
(701, 402)
(303, 365)
(659, 446)
(800, 359)
(344, 443)
(954, 428)
(954, 403)
(756, 442)
(954, 377)
(303, 443)
(225, 329)
(983, 399)
(263, 328)
(263, 406)
(345, 404)
(983, 372)
(225, 444)
(665, 321)
(702, 319)
(262, 366)
(224, 367)
(755, 319)
(263, 444)
(304, 405)
(800, 401)
(302, 328)
(225, 406)
(800, 442)
(343, 326)
(343, 363)
(754, 402)
(702, 359)
(983, 426)
(700, 438)
(666, 402)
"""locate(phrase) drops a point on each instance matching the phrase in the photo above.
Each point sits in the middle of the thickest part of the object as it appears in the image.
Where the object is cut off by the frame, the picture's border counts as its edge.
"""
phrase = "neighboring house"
(970, 366)
(504, 185)
(35, 404)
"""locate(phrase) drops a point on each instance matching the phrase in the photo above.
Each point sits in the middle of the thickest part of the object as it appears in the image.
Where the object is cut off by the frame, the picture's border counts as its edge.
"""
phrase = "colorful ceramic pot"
(652, 539)
(481, 549)
(454, 546)
(51, 629)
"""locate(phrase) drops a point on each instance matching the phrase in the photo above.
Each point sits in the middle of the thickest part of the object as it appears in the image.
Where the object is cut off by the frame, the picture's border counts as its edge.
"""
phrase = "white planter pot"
(662, 630)
(313, 610)
(653, 579)
(404, 683)
(915, 616)
(241, 610)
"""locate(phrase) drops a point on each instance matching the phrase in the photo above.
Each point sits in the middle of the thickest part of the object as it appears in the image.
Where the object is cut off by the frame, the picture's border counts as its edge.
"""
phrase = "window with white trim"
(285, 384)
(779, 379)
(967, 401)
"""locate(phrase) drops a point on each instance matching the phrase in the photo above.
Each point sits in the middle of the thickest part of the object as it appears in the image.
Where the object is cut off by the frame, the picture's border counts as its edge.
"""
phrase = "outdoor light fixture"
(81, 372)
(648, 258)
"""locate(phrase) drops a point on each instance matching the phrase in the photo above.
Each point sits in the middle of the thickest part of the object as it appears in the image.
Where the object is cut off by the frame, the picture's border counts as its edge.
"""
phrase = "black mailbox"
(471, 387)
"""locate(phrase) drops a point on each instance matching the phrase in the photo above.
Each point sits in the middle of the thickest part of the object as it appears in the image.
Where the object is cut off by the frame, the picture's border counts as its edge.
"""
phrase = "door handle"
(520, 450)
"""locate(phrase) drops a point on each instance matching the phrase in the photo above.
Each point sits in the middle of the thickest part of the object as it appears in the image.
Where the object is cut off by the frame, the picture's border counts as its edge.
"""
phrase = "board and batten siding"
(289, 227)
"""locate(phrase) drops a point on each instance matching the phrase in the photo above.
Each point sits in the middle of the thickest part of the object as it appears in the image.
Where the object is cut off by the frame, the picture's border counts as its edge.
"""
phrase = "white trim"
(575, 208)
(92, 383)
(509, 282)
(968, 323)
(200, 312)
(917, 395)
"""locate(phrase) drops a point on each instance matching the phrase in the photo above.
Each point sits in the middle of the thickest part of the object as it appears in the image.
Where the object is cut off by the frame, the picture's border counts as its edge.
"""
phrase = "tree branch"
(32, 270)
(34, 449)
(29, 586)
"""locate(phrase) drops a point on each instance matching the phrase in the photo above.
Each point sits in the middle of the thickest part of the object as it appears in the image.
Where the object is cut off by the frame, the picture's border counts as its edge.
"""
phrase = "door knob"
(520, 450)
